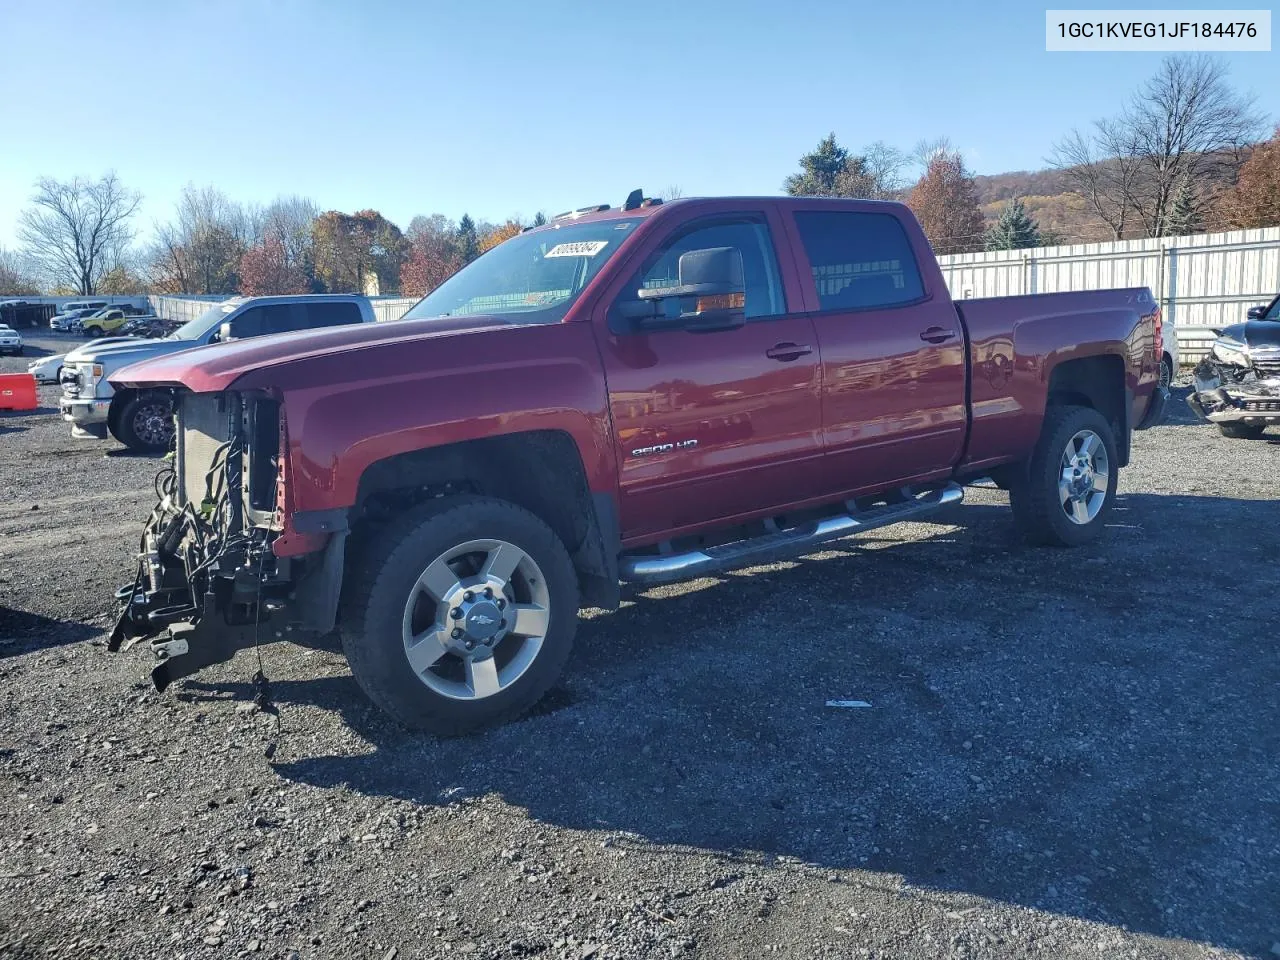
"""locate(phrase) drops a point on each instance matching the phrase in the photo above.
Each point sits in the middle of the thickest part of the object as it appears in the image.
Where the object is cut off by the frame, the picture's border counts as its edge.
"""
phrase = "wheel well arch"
(541, 471)
(1098, 382)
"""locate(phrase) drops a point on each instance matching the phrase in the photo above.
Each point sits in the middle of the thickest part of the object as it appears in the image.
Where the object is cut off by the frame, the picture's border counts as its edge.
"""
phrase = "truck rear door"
(892, 345)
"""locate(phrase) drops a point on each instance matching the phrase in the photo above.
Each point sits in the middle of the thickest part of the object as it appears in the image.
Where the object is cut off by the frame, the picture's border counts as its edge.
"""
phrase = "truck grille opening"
(202, 429)
(1267, 367)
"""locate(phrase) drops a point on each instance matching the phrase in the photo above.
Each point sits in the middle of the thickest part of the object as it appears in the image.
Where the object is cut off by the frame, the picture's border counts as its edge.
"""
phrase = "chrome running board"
(670, 567)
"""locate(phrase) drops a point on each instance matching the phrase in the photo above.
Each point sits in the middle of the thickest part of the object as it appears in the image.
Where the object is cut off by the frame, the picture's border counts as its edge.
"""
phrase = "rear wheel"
(461, 616)
(1242, 431)
(1166, 371)
(145, 423)
(94, 331)
(1066, 494)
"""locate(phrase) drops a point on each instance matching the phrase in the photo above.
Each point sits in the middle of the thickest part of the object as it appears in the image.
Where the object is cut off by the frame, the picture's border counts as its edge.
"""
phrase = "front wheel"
(145, 423)
(1067, 492)
(1242, 431)
(461, 616)
(94, 332)
(1166, 372)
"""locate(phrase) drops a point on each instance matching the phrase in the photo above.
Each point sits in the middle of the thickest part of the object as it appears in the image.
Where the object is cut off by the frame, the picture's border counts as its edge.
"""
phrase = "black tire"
(94, 332)
(1242, 431)
(378, 584)
(1038, 509)
(1166, 371)
(135, 425)
(19, 351)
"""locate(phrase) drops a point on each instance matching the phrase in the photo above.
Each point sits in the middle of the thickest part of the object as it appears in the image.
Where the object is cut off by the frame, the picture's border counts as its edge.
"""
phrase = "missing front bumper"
(1236, 405)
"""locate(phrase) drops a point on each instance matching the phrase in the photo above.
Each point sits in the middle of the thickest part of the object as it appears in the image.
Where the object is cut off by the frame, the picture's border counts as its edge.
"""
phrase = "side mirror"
(710, 294)
(1257, 313)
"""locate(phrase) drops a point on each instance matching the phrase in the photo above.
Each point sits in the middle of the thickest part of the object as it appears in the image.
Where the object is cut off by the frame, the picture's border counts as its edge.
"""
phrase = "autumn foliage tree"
(495, 236)
(433, 255)
(945, 201)
(350, 249)
(1255, 199)
(265, 269)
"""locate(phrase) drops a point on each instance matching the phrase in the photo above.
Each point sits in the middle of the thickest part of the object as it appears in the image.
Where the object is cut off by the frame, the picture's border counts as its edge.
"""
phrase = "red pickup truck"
(636, 394)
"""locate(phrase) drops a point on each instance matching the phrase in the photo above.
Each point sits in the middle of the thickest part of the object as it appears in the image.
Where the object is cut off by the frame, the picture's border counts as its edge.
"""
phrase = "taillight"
(1159, 320)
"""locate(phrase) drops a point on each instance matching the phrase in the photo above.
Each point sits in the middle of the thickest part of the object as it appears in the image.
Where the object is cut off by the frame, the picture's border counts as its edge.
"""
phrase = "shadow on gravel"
(1091, 732)
(22, 632)
(11, 415)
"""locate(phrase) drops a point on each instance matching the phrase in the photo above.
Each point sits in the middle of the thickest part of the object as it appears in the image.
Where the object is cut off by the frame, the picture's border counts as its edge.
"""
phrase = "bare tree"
(76, 231)
(289, 221)
(672, 192)
(199, 251)
(14, 276)
(885, 163)
(928, 150)
(1103, 168)
(1184, 125)
(1187, 125)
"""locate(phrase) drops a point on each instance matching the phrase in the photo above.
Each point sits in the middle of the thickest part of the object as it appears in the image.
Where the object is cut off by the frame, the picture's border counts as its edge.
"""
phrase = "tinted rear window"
(859, 260)
(331, 314)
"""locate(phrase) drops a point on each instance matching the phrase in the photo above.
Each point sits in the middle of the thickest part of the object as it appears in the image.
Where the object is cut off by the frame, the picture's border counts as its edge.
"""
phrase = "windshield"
(531, 278)
(210, 319)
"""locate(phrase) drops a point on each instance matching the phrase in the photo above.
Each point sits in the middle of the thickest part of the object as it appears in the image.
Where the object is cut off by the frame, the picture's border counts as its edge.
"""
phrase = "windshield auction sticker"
(582, 248)
(1220, 31)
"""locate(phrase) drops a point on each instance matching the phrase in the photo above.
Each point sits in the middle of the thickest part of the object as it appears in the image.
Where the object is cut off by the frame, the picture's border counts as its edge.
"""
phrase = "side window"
(860, 260)
(313, 315)
(277, 318)
(759, 263)
(247, 324)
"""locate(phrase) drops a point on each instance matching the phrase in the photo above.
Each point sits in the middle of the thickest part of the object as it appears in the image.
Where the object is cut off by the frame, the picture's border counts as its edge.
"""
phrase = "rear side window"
(860, 261)
(313, 315)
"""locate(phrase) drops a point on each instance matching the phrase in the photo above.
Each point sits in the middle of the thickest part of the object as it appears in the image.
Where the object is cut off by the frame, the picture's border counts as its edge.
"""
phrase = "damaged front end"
(1238, 382)
(208, 581)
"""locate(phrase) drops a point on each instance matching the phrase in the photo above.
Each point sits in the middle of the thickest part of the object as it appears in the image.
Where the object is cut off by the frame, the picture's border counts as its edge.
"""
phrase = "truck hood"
(1255, 333)
(124, 349)
(217, 367)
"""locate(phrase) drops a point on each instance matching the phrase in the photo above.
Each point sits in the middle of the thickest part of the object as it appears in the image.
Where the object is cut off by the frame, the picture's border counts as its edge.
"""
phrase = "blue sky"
(507, 107)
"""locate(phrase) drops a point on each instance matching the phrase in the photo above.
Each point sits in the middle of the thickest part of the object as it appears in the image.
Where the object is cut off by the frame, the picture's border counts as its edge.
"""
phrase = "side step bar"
(670, 567)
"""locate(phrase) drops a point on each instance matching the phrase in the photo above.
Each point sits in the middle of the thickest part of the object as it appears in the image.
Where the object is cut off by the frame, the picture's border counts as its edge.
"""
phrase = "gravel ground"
(1066, 753)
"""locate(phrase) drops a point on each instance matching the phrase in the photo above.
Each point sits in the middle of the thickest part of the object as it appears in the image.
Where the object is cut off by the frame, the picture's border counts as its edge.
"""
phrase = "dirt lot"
(1067, 753)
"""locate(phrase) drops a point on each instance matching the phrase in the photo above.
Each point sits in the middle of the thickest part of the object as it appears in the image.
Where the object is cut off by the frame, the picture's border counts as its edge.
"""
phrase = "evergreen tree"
(539, 219)
(468, 239)
(1015, 230)
(1184, 218)
(832, 171)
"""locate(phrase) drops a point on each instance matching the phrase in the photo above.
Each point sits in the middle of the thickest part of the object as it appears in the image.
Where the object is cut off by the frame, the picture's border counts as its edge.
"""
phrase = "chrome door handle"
(937, 335)
(787, 352)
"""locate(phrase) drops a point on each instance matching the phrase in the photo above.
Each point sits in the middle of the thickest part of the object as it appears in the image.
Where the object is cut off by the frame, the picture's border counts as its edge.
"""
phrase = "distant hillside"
(1020, 183)
(1048, 199)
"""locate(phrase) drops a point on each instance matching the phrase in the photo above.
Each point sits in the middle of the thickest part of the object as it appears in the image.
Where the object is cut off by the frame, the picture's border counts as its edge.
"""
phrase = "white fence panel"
(1201, 281)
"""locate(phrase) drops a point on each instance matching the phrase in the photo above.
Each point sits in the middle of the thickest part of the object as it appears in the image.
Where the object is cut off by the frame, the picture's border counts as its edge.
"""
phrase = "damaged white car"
(1237, 385)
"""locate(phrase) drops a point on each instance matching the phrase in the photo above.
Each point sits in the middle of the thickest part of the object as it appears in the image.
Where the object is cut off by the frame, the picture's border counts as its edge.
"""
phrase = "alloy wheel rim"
(151, 424)
(1084, 477)
(476, 619)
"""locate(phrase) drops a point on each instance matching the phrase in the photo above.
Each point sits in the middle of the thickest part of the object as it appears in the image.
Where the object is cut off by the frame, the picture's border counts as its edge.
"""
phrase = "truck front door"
(716, 425)
(893, 356)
